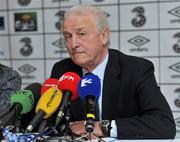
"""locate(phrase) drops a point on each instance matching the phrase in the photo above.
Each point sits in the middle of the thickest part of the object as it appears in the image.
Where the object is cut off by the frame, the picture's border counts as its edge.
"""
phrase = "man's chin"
(81, 64)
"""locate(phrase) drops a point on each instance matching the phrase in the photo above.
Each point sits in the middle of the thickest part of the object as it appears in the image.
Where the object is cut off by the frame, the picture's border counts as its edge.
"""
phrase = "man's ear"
(105, 36)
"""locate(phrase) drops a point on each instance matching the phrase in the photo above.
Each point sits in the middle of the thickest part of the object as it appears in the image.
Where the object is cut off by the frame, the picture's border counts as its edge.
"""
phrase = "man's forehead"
(76, 23)
(79, 19)
(79, 28)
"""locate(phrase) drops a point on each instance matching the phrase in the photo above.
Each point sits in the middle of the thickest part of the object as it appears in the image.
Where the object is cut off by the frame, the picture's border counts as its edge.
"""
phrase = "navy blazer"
(131, 97)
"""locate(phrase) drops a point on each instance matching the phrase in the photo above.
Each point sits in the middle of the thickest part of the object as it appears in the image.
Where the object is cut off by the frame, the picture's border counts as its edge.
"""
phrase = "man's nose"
(74, 41)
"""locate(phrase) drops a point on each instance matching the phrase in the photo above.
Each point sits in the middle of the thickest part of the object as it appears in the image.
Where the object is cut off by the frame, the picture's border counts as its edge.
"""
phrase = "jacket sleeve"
(9, 83)
(155, 119)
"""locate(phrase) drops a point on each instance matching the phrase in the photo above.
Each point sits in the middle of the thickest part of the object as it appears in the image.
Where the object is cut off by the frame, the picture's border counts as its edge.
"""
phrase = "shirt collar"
(100, 69)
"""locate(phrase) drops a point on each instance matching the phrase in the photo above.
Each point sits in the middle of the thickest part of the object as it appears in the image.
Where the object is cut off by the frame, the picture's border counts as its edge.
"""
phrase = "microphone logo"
(52, 98)
(26, 93)
(66, 77)
(85, 82)
(51, 85)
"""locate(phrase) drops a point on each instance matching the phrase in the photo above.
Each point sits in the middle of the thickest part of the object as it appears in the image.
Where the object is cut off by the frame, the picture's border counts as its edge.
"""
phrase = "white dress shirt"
(99, 71)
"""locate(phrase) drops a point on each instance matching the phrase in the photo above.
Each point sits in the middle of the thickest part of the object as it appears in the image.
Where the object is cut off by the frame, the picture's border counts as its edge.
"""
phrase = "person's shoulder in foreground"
(10, 81)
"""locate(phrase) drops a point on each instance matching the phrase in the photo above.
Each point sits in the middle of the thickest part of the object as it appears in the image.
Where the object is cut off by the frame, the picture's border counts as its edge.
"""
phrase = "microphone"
(35, 88)
(51, 82)
(42, 126)
(89, 89)
(23, 101)
(46, 106)
(68, 83)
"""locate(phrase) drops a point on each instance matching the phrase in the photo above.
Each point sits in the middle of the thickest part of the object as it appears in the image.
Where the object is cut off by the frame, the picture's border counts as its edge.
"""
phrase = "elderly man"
(131, 105)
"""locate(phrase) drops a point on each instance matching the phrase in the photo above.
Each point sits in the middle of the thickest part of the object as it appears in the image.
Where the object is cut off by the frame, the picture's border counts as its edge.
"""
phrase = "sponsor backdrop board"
(31, 42)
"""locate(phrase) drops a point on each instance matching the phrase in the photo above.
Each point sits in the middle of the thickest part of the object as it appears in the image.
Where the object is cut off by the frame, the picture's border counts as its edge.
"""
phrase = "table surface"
(153, 140)
(115, 140)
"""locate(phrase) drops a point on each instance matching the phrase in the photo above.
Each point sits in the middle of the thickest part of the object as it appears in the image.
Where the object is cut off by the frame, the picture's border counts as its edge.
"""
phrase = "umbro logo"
(175, 11)
(27, 69)
(177, 121)
(175, 67)
(138, 40)
(60, 43)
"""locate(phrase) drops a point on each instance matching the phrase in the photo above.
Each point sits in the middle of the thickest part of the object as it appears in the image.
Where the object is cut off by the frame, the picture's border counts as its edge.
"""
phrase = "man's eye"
(67, 36)
(82, 34)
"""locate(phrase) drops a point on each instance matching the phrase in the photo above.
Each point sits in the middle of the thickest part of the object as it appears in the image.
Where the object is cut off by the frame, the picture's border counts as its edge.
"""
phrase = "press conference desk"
(68, 138)
(114, 140)
(154, 140)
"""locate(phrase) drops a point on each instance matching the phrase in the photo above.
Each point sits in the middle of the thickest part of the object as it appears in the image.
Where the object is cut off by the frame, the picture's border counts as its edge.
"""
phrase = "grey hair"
(97, 13)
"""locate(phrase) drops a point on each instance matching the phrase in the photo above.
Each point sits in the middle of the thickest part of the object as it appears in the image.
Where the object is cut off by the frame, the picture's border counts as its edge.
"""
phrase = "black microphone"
(68, 83)
(89, 89)
(23, 101)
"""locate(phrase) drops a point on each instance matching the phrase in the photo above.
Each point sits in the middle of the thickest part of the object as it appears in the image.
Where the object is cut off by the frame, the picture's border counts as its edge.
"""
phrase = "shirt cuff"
(113, 131)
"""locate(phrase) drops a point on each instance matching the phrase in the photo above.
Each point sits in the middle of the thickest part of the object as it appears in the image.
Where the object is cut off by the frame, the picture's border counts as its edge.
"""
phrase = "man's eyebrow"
(64, 32)
(77, 29)
(82, 28)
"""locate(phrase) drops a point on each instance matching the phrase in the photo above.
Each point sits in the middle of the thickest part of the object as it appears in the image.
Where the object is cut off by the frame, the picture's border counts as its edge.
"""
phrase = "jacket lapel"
(111, 86)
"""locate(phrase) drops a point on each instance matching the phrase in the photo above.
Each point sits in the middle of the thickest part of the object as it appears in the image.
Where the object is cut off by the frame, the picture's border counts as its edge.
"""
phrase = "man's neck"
(91, 67)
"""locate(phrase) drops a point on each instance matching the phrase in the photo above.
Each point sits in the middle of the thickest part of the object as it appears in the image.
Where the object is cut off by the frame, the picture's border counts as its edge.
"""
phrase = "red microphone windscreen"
(51, 82)
(69, 81)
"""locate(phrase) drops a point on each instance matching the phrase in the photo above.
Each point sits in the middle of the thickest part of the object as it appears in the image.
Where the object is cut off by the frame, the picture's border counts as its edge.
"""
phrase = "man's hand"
(78, 128)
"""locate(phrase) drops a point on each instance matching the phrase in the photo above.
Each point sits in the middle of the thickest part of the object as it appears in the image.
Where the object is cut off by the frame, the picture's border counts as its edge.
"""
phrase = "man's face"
(85, 44)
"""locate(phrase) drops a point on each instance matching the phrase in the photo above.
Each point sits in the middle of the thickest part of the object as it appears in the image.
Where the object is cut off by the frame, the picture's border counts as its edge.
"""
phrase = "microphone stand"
(17, 122)
(67, 122)
(17, 125)
(42, 126)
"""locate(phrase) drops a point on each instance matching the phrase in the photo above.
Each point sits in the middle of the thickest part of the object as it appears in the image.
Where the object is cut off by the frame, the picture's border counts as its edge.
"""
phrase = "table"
(154, 140)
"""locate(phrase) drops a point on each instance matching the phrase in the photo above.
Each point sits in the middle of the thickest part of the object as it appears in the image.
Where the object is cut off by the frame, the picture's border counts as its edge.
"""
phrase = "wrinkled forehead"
(79, 21)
